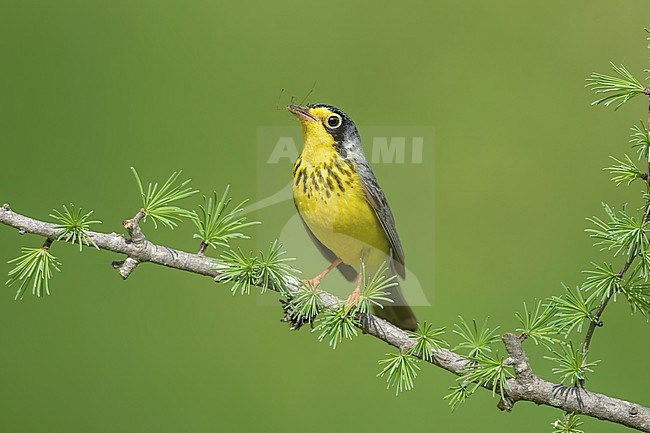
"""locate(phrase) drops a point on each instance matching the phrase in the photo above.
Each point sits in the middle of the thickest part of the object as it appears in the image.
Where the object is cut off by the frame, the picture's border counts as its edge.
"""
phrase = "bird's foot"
(312, 282)
(353, 298)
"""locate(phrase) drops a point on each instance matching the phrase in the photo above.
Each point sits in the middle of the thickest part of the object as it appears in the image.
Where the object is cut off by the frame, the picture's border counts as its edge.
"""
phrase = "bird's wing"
(348, 271)
(379, 204)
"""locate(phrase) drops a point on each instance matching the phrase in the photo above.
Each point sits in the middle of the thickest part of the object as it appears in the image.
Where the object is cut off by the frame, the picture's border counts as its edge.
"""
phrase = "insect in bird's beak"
(301, 113)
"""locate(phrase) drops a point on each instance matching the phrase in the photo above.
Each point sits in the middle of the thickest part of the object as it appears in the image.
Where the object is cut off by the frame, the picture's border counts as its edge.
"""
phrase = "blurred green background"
(493, 217)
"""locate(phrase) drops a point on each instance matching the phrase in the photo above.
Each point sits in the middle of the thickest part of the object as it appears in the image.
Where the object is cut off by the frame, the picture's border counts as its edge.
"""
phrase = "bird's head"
(325, 126)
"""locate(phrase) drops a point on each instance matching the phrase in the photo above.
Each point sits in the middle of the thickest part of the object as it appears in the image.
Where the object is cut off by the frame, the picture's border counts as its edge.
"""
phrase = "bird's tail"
(398, 312)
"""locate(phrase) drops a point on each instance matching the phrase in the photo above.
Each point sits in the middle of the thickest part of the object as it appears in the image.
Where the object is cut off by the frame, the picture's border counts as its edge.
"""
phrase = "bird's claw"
(353, 298)
(312, 282)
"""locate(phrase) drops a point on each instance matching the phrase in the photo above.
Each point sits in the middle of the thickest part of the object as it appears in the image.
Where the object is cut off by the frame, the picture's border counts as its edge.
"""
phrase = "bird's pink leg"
(316, 280)
(354, 296)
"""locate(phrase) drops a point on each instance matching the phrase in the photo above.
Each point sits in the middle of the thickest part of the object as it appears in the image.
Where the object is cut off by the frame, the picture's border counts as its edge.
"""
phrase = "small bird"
(343, 208)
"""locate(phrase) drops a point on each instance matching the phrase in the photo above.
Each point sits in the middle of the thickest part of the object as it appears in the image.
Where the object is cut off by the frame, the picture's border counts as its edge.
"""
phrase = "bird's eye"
(334, 121)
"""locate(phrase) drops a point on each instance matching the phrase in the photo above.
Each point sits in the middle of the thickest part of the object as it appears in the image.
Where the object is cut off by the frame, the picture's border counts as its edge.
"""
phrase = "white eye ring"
(334, 121)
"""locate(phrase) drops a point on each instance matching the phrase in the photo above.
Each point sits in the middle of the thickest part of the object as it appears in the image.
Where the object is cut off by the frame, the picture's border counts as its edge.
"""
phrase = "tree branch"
(525, 386)
(596, 320)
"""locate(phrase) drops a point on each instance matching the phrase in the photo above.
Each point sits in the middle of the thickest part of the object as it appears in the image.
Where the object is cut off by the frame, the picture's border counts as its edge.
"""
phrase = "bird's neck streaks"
(323, 179)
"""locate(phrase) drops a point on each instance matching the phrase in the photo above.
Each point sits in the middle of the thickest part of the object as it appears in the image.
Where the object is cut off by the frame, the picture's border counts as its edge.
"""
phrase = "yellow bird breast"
(331, 200)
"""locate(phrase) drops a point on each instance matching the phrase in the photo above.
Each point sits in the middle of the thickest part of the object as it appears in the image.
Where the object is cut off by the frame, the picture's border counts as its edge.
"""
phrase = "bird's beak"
(301, 113)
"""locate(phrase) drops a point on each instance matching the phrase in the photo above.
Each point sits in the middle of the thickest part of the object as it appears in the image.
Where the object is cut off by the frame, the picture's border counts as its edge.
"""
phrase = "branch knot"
(133, 227)
(517, 357)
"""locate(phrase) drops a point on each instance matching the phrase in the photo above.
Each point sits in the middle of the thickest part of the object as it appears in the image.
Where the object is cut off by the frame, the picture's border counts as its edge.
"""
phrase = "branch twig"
(596, 320)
